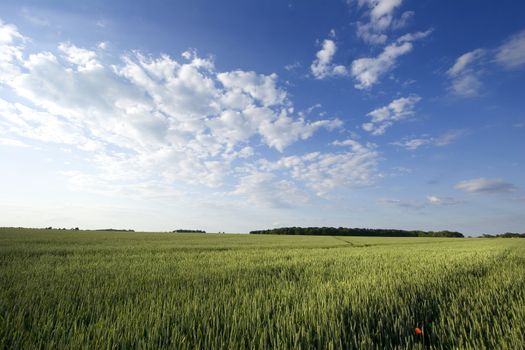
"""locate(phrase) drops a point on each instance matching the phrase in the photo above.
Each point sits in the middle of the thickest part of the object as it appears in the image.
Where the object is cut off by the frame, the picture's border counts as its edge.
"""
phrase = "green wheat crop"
(112, 290)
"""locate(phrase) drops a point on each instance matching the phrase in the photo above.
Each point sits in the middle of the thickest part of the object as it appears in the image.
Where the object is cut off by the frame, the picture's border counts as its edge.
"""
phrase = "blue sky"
(240, 115)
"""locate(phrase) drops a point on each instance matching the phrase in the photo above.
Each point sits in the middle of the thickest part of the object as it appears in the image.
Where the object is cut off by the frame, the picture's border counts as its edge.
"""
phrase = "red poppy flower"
(418, 330)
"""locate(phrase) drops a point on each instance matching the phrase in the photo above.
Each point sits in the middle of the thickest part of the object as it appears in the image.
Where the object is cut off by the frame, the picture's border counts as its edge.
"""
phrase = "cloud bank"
(153, 123)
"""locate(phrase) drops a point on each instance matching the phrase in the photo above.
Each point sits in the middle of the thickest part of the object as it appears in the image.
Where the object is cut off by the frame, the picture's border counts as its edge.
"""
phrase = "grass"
(106, 290)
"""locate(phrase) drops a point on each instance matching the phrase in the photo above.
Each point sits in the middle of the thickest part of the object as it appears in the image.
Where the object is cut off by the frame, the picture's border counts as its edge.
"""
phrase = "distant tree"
(504, 235)
(342, 231)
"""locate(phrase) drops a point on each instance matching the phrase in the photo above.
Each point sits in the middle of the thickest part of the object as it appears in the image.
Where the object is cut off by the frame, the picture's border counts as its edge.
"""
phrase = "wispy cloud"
(418, 204)
(443, 201)
(442, 140)
(511, 54)
(464, 61)
(485, 185)
(405, 204)
(293, 66)
(31, 17)
(12, 142)
(464, 74)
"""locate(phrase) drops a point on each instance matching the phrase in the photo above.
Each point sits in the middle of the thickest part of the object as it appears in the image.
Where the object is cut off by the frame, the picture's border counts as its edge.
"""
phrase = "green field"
(102, 290)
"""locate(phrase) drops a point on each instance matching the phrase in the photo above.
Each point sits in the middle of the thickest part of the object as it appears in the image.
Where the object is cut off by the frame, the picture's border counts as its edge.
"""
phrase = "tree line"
(345, 231)
(504, 235)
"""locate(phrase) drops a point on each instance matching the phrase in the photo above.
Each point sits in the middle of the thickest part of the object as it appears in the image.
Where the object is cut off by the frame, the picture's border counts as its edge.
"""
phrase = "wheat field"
(116, 290)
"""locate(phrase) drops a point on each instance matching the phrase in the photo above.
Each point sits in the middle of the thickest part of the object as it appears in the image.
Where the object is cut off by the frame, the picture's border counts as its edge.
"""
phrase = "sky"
(239, 115)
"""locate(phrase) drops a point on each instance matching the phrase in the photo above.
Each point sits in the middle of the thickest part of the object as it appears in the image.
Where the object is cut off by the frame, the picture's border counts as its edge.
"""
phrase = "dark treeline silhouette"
(505, 235)
(344, 231)
(188, 231)
(114, 230)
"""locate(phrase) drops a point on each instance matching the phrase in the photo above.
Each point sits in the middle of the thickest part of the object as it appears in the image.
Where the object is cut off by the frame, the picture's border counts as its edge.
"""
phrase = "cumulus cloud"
(511, 54)
(83, 59)
(367, 71)
(322, 66)
(311, 174)
(324, 172)
(285, 130)
(485, 185)
(260, 87)
(154, 122)
(384, 117)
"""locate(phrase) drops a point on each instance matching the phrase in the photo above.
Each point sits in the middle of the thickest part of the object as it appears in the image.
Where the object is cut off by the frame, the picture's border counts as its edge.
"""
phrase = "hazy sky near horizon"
(238, 115)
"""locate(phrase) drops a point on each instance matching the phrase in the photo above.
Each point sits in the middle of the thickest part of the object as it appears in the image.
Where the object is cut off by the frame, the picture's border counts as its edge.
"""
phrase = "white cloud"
(266, 189)
(511, 54)
(82, 58)
(322, 66)
(11, 48)
(355, 146)
(39, 21)
(464, 76)
(103, 45)
(443, 201)
(293, 66)
(463, 61)
(448, 137)
(405, 204)
(413, 144)
(380, 18)
(12, 142)
(414, 36)
(485, 185)
(403, 21)
(384, 117)
(367, 71)
(260, 87)
(9, 33)
(365, 31)
(434, 201)
(324, 172)
(146, 122)
(466, 72)
(285, 130)
(467, 85)
(443, 140)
